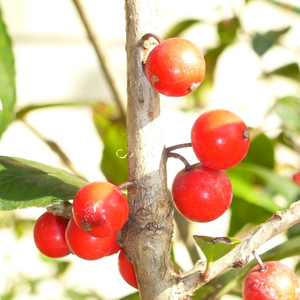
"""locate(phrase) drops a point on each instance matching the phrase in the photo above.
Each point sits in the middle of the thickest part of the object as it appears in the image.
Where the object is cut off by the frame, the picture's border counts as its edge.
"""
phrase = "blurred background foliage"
(261, 183)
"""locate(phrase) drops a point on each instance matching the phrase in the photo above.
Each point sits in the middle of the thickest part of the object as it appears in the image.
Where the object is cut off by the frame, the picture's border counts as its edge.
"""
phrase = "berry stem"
(176, 155)
(179, 146)
(147, 36)
(258, 259)
(126, 185)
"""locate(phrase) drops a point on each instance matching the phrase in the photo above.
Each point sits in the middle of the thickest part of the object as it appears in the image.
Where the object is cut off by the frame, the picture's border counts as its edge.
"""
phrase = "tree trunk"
(147, 235)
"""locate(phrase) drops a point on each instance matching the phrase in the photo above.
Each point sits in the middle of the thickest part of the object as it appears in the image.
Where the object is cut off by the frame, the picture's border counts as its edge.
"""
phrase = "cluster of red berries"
(220, 140)
(201, 192)
(99, 212)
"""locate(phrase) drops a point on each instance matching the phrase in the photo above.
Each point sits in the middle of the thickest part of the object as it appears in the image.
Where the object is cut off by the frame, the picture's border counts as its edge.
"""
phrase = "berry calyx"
(175, 67)
(100, 209)
(86, 246)
(49, 235)
(126, 269)
(274, 281)
(220, 139)
(201, 194)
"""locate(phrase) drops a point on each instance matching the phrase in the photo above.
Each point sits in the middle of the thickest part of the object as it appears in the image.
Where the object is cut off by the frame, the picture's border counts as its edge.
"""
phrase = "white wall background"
(55, 62)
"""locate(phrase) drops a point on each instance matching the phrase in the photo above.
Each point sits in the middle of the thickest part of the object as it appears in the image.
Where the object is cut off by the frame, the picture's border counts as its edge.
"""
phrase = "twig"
(278, 223)
(55, 148)
(102, 56)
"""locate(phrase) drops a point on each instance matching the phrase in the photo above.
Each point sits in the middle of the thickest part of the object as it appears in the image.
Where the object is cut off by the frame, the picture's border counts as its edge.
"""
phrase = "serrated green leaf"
(261, 43)
(290, 71)
(215, 248)
(7, 78)
(178, 28)
(113, 135)
(25, 183)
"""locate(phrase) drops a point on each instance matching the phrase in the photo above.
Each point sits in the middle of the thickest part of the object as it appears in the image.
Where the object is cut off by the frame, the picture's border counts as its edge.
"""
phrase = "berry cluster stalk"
(147, 235)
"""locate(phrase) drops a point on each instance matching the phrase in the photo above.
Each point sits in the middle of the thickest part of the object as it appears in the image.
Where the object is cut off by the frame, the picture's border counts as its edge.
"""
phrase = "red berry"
(115, 249)
(201, 194)
(100, 209)
(220, 139)
(126, 269)
(296, 178)
(276, 281)
(175, 67)
(86, 246)
(49, 235)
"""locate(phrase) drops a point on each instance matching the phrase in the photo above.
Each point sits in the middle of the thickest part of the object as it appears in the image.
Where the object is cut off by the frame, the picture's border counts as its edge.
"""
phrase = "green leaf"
(25, 183)
(290, 71)
(245, 215)
(76, 295)
(7, 78)
(215, 248)
(261, 43)
(134, 296)
(178, 28)
(288, 109)
(32, 107)
(263, 145)
(113, 135)
(227, 30)
(279, 184)
(246, 191)
(203, 292)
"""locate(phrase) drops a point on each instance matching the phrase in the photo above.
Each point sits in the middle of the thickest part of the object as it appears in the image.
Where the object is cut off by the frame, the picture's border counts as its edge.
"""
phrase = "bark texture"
(147, 235)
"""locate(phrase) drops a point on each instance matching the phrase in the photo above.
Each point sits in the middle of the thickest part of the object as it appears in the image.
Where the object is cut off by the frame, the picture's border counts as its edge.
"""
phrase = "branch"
(103, 58)
(278, 223)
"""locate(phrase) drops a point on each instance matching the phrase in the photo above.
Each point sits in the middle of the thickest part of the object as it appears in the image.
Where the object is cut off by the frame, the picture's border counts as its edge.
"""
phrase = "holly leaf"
(7, 78)
(25, 183)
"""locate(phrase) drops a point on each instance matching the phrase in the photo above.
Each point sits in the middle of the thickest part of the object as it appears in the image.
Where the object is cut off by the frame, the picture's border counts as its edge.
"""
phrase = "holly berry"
(296, 178)
(100, 209)
(220, 139)
(86, 246)
(49, 235)
(201, 194)
(126, 269)
(275, 281)
(175, 67)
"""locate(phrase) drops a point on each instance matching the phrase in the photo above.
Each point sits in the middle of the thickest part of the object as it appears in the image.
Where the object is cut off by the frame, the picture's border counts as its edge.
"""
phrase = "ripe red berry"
(126, 269)
(100, 209)
(49, 235)
(201, 194)
(175, 67)
(276, 281)
(86, 246)
(296, 178)
(220, 139)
